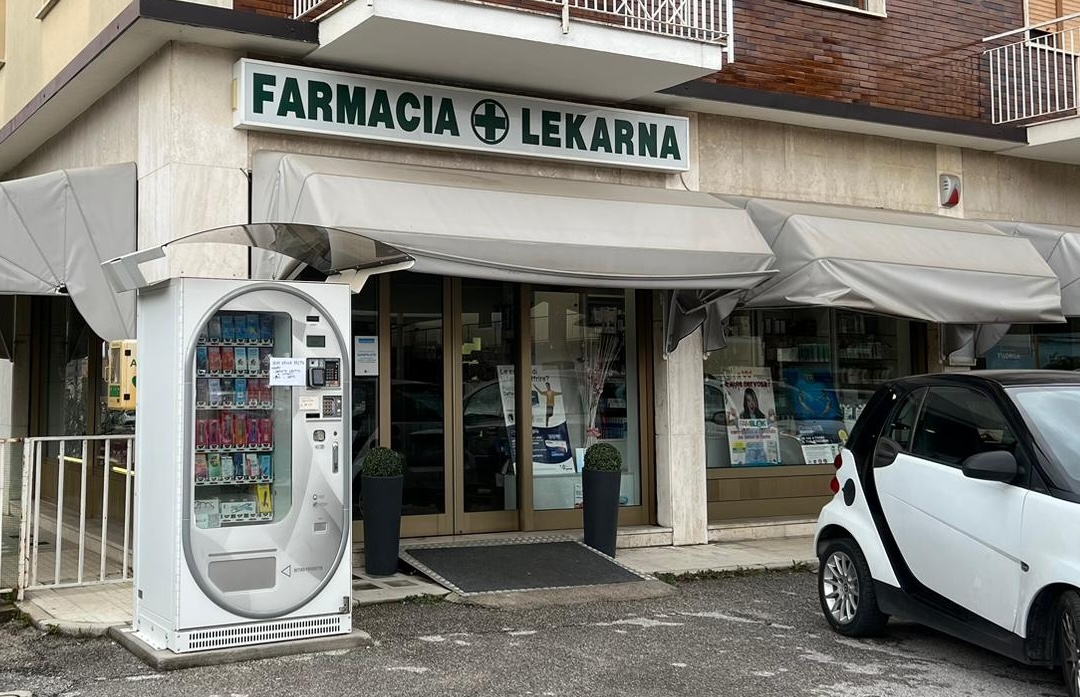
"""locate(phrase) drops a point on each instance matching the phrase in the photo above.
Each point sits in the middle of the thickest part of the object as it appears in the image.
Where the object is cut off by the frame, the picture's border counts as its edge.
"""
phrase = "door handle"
(334, 458)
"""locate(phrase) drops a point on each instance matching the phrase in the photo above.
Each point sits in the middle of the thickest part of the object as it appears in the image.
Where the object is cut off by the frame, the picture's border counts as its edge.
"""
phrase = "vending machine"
(242, 463)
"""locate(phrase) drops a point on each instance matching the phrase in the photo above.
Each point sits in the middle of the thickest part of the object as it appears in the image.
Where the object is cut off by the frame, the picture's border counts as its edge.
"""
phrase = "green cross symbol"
(490, 117)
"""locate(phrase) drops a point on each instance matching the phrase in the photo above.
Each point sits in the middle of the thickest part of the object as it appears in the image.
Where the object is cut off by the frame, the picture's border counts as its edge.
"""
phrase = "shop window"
(584, 386)
(791, 383)
(1040, 346)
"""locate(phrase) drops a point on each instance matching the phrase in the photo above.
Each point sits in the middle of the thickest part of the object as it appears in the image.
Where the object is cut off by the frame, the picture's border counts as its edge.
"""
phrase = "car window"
(1050, 412)
(714, 402)
(485, 402)
(901, 425)
(416, 403)
(957, 423)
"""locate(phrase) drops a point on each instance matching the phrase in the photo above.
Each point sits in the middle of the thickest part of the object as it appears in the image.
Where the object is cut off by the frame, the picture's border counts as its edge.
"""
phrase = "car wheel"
(846, 590)
(1068, 640)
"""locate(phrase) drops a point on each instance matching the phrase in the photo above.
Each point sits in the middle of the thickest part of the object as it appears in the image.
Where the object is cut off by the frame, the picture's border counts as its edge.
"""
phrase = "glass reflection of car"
(417, 433)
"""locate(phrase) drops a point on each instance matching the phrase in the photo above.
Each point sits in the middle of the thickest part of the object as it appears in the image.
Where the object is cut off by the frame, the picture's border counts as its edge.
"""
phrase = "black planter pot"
(382, 523)
(600, 498)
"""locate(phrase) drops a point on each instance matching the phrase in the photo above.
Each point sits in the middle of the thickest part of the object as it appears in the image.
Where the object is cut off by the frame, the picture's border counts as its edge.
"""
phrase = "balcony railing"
(707, 21)
(1036, 79)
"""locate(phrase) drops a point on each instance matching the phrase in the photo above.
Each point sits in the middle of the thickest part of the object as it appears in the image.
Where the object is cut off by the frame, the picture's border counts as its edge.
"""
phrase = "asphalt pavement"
(760, 634)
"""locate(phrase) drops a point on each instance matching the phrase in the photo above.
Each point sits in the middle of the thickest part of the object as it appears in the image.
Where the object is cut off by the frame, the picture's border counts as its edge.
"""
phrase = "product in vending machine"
(201, 471)
(228, 364)
(266, 432)
(251, 464)
(201, 360)
(213, 433)
(201, 393)
(266, 329)
(203, 335)
(242, 396)
(253, 360)
(213, 466)
(238, 466)
(207, 513)
(262, 391)
(213, 359)
(240, 362)
(213, 330)
(253, 431)
(240, 434)
(200, 433)
(228, 391)
(215, 391)
(264, 359)
(226, 465)
(265, 498)
(228, 330)
(266, 466)
(227, 429)
(254, 331)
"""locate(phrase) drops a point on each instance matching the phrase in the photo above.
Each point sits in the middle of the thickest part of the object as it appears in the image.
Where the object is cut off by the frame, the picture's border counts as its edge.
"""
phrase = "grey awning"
(519, 228)
(57, 228)
(1059, 245)
(924, 267)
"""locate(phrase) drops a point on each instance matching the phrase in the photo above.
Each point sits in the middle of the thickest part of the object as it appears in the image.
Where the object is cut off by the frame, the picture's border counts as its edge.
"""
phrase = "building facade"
(824, 128)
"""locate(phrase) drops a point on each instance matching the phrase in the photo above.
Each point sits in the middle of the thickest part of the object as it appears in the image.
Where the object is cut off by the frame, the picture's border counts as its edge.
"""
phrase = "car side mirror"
(719, 418)
(886, 451)
(992, 466)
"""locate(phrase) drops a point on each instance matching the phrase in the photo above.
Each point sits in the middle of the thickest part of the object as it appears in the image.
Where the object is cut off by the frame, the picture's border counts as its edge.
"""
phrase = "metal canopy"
(57, 228)
(287, 245)
(918, 266)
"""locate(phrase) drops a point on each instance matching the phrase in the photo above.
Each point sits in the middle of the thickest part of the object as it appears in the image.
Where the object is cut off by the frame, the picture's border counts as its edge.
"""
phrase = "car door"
(959, 537)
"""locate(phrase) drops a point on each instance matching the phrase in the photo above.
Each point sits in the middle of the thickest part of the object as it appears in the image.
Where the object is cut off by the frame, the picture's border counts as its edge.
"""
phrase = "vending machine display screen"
(241, 473)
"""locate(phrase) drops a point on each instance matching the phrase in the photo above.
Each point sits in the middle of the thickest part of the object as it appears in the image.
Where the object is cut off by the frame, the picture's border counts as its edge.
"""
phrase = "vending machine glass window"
(242, 466)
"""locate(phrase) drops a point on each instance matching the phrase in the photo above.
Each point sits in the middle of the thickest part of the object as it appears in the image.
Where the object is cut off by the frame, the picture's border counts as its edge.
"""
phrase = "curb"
(42, 620)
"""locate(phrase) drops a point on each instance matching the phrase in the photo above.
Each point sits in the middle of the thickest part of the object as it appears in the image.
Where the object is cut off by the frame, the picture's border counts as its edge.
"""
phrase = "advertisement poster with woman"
(753, 438)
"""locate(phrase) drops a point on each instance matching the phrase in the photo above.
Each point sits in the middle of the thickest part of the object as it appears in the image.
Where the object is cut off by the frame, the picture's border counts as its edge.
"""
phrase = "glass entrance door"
(485, 476)
(453, 348)
(451, 356)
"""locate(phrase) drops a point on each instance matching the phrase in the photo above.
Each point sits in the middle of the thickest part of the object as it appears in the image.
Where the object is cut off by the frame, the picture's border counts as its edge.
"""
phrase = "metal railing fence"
(76, 522)
(708, 21)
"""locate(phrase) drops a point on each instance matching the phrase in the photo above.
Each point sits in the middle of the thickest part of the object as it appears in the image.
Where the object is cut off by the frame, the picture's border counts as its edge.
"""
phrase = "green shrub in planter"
(600, 484)
(604, 457)
(381, 496)
(383, 462)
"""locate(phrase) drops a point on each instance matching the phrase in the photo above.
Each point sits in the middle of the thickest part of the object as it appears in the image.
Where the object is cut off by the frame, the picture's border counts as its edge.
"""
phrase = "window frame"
(873, 8)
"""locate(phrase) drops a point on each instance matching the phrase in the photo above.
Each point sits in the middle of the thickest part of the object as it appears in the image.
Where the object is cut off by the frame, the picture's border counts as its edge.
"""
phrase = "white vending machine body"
(242, 463)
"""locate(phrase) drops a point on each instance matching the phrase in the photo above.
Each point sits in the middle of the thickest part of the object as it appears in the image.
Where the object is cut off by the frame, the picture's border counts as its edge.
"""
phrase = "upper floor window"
(875, 7)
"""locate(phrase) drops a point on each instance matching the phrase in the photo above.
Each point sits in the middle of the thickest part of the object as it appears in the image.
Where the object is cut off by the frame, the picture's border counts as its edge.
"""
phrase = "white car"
(957, 505)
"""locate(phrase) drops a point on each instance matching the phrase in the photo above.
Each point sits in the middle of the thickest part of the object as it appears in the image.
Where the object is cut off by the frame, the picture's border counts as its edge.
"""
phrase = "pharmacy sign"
(276, 97)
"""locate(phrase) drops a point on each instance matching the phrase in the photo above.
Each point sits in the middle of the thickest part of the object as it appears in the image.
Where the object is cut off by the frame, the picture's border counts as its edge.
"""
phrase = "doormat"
(517, 564)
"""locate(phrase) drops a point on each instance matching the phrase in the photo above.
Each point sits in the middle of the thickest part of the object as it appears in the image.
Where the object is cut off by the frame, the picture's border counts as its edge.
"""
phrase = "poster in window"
(753, 439)
(819, 423)
(552, 452)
